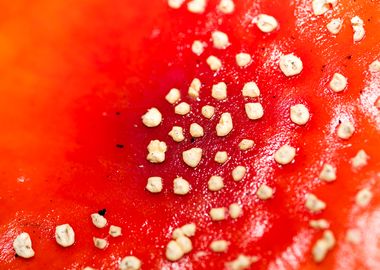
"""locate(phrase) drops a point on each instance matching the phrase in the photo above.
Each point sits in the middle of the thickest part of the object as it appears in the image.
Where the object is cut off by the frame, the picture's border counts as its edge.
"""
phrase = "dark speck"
(274, 96)
(323, 68)
(16, 255)
(102, 212)
(349, 57)
(118, 113)
(120, 145)
(340, 122)
(192, 140)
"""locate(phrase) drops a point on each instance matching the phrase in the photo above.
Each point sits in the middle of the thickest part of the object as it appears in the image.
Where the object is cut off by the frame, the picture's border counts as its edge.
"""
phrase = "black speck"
(339, 121)
(120, 145)
(192, 140)
(102, 212)
(349, 57)
(16, 255)
(274, 96)
(361, 91)
(118, 113)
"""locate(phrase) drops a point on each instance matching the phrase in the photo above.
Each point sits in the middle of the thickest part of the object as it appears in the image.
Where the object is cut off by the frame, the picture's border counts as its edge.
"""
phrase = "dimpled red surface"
(76, 76)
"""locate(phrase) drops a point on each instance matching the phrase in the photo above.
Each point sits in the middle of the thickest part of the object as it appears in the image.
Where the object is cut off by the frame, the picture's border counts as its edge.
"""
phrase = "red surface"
(76, 76)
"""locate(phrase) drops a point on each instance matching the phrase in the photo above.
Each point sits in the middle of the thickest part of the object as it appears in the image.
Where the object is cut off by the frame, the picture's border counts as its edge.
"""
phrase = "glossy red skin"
(76, 78)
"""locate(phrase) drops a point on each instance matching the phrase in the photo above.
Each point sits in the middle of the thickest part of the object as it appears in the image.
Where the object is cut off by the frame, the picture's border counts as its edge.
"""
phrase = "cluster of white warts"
(290, 65)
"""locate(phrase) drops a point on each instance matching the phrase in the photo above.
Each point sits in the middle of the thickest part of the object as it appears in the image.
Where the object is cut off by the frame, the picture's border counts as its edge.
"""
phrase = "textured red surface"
(76, 76)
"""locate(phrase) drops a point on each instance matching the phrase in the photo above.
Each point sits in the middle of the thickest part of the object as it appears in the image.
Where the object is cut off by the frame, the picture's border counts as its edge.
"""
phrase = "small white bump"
(196, 6)
(184, 243)
(195, 88)
(64, 235)
(221, 157)
(192, 157)
(181, 186)
(173, 96)
(208, 111)
(225, 125)
(251, 89)
(243, 59)
(285, 154)
(226, 6)
(254, 110)
(246, 144)
(266, 23)
(323, 246)
(345, 130)
(196, 131)
(328, 173)
(354, 236)
(154, 184)
(238, 173)
(214, 63)
(182, 108)
(130, 263)
(100, 243)
(215, 183)
(23, 246)
(338, 83)
(358, 28)
(219, 91)
(363, 197)
(242, 262)
(198, 47)
(152, 118)
(299, 114)
(156, 151)
(220, 40)
(235, 210)
(359, 160)
(114, 231)
(290, 65)
(218, 214)
(334, 26)
(313, 204)
(219, 246)
(322, 6)
(99, 221)
(264, 192)
(175, 4)
(177, 134)
(319, 224)
(374, 67)
(173, 251)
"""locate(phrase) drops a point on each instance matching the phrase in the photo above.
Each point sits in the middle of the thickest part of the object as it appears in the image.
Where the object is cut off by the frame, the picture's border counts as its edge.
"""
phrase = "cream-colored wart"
(225, 125)
(192, 157)
(23, 246)
(251, 89)
(246, 144)
(198, 47)
(218, 214)
(156, 151)
(323, 246)
(254, 110)
(358, 28)
(220, 40)
(196, 130)
(290, 65)
(208, 111)
(285, 154)
(243, 59)
(238, 173)
(152, 118)
(177, 134)
(328, 173)
(322, 6)
(334, 26)
(338, 83)
(187, 230)
(359, 160)
(235, 210)
(219, 91)
(313, 204)
(181, 186)
(114, 231)
(242, 262)
(266, 23)
(197, 6)
(319, 224)
(100, 243)
(363, 197)
(214, 63)
(185, 244)
(175, 4)
(221, 157)
(130, 263)
(174, 251)
(154, 184)
(299, 114)
(219, 246)
(215, 183)
(194, 88)
(64, 235)
(173, 96)
(264, 192)
(345, 130)
(374, 67)
(226, 6)
(182, 108)
(99, 221)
